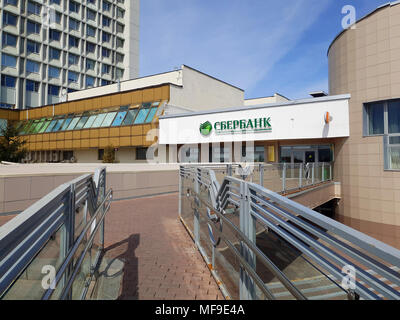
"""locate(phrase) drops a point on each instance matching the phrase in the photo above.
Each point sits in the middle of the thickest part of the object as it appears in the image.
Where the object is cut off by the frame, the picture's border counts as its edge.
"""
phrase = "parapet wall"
(23, 185)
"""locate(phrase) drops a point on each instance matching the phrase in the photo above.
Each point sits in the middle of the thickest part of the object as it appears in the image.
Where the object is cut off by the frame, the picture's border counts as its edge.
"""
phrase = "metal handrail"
(22, 238)
(305, 229)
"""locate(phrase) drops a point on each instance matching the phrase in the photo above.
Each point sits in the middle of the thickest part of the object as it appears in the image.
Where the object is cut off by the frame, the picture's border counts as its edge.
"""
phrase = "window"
(105, 52)
(90, 64)
(91, 15)
(119, 118)
(9, 40)
(106, 6)
(120, 13)
(54, 35)
(9, 19)
(151, 115)
(106, 37)
(105, 69)
(73, 6)
(54, 72)
(54, 54)
(90, 47)
(142, 115)
(99, 120)
(72, 77)
(34, 8)
(82, 121)
(105, 82)
(375, 113)
(12, 2)
(73, 59)
(73, 24)
(91, 1)
(394, 116)
(100, 154)
(259, 154)
(33, 47)
(108, 119)
(119, 73)
(8, 61)
(120, 28)
(119, 57)
(91, 31)
(53, 90)
(106, 21)
(8, 81)
(120, 43)
(55, 2)
(130, 117)
(90, 81)
(32, 66)
(33, 27)
(141, 153)
(32, 86)
(67, 122)
(90, 122)
(73, 42)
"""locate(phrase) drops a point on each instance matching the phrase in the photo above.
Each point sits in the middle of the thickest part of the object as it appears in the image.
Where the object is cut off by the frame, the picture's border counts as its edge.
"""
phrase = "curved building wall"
(365, 62)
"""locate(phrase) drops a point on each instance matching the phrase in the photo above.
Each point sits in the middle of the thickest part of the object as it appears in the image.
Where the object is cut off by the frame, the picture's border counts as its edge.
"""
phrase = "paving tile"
(161, 261)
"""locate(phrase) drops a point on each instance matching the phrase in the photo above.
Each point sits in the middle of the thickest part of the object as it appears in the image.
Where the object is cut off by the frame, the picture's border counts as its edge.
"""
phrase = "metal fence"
(261, 245)
(51, 250)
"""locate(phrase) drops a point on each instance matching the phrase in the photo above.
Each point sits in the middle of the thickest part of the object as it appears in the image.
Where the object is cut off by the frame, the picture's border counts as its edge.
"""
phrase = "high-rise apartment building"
(52, 47)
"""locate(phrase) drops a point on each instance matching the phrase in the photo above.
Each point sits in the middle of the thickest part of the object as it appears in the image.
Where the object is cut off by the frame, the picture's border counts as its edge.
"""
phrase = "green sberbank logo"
(237, 126)
(206, 128)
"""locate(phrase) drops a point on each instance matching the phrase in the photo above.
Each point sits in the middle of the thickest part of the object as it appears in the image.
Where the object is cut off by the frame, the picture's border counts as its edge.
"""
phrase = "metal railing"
(279, 177)
(262, 245)
(52, 249)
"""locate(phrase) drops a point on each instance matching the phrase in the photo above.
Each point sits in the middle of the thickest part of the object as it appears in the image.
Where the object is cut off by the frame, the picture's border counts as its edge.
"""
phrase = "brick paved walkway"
(161, 261)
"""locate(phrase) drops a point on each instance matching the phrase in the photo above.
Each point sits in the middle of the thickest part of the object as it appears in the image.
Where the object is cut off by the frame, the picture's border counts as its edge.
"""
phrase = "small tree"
(109, 155)
(12, 145)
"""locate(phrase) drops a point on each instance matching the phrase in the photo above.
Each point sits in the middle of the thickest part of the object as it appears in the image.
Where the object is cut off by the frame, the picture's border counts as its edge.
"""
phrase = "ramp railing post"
(284, 177)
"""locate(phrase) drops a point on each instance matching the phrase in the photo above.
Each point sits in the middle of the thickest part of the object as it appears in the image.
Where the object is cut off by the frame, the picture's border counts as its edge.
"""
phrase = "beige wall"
(365, 62)
(202, 92)
(19, 192)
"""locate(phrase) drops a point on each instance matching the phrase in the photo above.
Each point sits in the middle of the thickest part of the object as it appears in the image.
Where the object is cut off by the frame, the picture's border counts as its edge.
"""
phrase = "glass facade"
(111, 117)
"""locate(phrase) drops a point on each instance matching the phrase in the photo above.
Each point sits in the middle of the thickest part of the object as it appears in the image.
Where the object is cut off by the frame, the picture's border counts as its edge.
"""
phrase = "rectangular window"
(105, 69)
(100, 154)
(32, 86)
(73, 24)
(9, 19)
(375, 116)
(11, 2)
(54, 35)
(73, 6)
(8, 61)
(53, 90)
(32, 66)
(72, 77)
(120, 28)
(106, 21)
(32, 27)
(90, 122)
(54, 54)
(105, 53)
(90, 47)
(119, 118)
(91, 15)
(9, 40)
(106, 6)
(73, 42)
(34, 8)
(151, 115)
(91, 31)
(8, 81)
(33, 47)
(89, 81)
(67, 123)
(54, 72)
(119, 57)
(73, 123)
(55, 2)
(259, 154)
(90, 64)
(99, 120)
(73, 59)
(106, 37)
(394, 116)
(119, 73)
(82, 121)
(141, 153)
(130, 117)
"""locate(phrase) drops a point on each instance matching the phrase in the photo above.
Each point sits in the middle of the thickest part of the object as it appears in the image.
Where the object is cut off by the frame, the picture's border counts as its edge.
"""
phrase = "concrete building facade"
(54, 47)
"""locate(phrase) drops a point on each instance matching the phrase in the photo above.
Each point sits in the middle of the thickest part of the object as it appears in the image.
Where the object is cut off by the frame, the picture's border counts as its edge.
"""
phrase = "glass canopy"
(111, 117)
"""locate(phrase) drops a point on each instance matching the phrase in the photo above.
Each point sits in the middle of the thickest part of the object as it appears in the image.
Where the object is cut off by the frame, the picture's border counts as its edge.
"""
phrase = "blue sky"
(261, 46)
